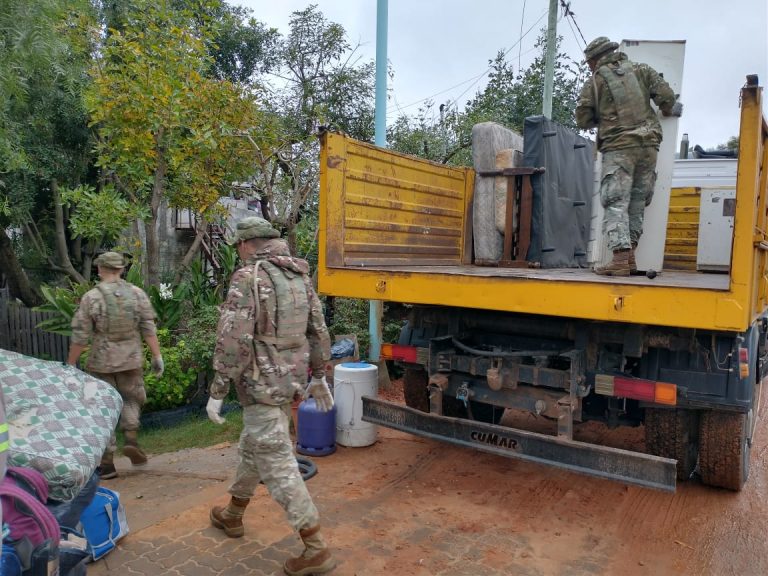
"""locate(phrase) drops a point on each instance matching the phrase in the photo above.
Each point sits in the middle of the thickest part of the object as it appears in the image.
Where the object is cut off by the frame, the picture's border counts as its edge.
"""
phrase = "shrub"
(173, 388)
(200, 338)
(351, 317)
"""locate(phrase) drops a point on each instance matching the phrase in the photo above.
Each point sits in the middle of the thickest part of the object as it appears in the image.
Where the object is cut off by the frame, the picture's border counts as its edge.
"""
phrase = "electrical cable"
(476, 79)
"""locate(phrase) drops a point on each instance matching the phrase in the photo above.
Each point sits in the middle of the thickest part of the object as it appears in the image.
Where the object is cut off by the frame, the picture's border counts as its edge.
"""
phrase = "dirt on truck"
(680, 349)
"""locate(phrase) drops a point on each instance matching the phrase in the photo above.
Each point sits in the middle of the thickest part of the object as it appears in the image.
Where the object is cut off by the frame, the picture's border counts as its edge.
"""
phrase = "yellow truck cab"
(682, 351)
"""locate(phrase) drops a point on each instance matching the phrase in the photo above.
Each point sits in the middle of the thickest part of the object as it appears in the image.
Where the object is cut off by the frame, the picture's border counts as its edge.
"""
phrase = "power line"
(456, 100)
(570, 14)
(476, 79)
(520, 45)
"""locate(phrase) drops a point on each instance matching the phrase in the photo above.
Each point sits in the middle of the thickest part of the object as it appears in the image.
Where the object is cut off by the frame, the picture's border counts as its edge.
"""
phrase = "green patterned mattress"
(59, 418)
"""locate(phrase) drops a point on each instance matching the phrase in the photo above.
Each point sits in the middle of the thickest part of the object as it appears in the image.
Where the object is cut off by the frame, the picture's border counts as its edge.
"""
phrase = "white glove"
(214, 410)
(158, 366)
(676, 110)
(318, 389)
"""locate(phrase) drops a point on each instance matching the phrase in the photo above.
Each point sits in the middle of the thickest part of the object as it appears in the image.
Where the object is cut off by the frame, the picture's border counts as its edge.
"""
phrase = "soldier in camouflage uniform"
(616, 101)
(271, 328)
(113, 317)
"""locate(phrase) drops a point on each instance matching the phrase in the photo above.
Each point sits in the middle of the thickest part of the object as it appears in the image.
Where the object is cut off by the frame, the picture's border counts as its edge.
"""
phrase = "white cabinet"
(716, 214)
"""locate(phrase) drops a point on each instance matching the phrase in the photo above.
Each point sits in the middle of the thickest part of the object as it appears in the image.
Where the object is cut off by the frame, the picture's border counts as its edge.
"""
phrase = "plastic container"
(352, 381)
(316, 430)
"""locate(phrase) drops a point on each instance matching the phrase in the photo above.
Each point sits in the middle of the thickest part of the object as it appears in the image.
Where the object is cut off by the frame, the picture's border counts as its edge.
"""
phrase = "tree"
(315, 79)
(507, 99)
(168, 131)
(43, 132)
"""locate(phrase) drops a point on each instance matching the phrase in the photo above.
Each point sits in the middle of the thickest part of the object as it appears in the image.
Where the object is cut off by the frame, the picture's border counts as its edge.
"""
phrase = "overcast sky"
(440, 48)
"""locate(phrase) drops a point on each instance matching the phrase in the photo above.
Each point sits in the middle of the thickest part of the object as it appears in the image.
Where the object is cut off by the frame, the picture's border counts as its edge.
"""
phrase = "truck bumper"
(601, 461)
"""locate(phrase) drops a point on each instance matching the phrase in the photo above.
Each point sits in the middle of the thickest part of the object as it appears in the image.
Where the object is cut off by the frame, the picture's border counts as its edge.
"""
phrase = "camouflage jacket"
(616, 100)
(91, 324)
(265, 346)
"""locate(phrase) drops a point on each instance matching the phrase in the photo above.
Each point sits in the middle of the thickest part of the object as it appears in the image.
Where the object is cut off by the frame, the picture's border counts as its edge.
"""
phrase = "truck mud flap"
(614, 463)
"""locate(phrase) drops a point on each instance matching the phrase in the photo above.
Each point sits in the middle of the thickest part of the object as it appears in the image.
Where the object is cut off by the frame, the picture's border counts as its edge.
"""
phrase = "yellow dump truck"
(683, 353)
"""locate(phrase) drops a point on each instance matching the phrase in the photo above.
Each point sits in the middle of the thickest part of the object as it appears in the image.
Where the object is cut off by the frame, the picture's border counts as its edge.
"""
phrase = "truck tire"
(673, 434)
(724, 450)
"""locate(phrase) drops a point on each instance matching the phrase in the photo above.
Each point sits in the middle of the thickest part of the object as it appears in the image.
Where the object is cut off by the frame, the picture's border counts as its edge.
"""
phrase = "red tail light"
(399, 352)
(636, 388)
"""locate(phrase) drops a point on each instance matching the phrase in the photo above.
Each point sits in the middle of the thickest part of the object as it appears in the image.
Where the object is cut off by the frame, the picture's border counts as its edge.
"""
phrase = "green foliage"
(167, 304)
(351, 317)
(98, 215)
(167, 130)
(195, 432)
(507, 99)
(200, 338)
(62, 304)
(173, 387)
(133, 275)
(306, 239)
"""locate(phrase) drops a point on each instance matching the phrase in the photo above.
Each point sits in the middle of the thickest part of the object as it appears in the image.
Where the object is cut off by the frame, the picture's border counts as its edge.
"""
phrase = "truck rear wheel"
(673, 434)
(724, 452)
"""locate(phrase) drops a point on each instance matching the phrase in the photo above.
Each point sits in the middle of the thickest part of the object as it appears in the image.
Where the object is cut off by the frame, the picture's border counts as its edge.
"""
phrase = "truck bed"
(671, 278)
(398, 228)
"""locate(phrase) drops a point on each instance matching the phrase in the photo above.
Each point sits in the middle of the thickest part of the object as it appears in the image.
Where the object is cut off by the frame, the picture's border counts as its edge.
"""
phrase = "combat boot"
(107, 468)
(132, 450)
(619, 266)
(316, 558)
(230, 518)
(632, 262)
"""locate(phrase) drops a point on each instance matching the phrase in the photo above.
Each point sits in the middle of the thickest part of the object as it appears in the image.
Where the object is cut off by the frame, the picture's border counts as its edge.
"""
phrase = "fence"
(19, 332)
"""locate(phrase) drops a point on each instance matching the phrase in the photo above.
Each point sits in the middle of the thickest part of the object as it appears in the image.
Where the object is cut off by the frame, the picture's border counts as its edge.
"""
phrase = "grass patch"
(194, 432)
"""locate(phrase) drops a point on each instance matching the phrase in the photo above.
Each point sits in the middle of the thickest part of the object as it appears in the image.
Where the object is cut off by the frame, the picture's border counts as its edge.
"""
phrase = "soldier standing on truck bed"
(271, 327)
(114, 316)
(616, 101)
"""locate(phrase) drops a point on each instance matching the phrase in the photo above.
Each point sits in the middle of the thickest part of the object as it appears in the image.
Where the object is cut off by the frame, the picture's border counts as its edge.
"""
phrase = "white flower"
(165, 292)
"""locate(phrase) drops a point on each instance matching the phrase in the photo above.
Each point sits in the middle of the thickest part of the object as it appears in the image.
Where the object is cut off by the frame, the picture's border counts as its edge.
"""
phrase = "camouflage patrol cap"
(253, 227)
(110, 260)
(599, 46)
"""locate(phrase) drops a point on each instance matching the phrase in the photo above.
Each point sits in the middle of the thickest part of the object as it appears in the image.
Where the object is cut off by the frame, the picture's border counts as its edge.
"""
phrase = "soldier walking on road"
(616, 101)
(271, 327)
(113, 317)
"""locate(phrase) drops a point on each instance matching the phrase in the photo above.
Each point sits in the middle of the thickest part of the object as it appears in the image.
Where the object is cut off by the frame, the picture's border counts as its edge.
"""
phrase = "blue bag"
(10, 565)
(103, 522)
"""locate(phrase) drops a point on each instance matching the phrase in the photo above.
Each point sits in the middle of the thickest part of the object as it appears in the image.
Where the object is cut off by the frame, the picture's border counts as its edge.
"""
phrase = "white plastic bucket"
(352, 381)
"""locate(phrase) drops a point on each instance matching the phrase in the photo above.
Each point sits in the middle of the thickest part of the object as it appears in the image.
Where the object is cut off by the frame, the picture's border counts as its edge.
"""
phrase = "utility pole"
(549, 61)
(376, 307)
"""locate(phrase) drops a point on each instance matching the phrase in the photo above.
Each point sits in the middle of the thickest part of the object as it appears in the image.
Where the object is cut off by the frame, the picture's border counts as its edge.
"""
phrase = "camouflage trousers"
(626, 188)
(266, 454)
(130, 384)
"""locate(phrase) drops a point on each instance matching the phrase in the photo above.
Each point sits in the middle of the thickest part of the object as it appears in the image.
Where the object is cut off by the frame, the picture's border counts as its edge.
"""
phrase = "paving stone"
(178, 557)
(236, 570)
(192, 568)
(259, 563)
(164, 551)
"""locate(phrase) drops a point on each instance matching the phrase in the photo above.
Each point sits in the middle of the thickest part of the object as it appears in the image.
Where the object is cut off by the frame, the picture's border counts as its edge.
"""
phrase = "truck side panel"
(385, 209)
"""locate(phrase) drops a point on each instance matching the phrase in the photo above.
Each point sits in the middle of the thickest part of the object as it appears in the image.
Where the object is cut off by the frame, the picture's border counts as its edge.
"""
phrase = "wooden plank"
(4, 322)
(526, 215)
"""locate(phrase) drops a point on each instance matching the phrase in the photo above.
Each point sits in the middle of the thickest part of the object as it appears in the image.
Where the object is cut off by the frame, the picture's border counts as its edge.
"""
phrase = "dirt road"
(408, 506)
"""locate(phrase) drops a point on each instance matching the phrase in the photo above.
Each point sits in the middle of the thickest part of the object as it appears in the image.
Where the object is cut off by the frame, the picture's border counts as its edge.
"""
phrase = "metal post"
(549, 62)
(376, 307)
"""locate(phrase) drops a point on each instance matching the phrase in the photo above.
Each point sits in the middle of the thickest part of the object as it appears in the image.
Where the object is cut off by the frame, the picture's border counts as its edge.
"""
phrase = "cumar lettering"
(493, 439)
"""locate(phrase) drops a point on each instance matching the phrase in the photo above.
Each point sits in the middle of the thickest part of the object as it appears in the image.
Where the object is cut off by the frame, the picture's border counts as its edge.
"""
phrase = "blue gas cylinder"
(316, 434)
